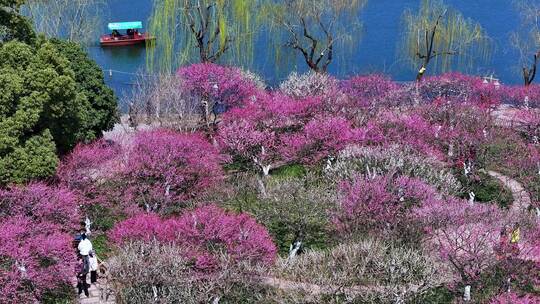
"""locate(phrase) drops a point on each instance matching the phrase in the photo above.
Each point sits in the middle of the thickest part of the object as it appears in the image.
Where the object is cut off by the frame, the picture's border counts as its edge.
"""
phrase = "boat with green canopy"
(131, 36)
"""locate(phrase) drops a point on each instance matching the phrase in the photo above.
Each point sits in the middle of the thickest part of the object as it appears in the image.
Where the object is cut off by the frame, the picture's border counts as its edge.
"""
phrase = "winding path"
(522, 199)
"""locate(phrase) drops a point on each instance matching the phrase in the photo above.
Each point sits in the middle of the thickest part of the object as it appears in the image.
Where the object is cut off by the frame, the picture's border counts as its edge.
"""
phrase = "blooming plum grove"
(343, 161)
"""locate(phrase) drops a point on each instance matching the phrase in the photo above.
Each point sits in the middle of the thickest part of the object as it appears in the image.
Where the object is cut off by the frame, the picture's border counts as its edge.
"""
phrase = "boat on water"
(131, 36)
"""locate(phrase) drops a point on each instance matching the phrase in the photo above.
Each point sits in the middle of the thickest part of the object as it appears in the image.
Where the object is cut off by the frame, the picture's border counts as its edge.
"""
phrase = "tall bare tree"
(314, 28)
(200, 30)
(73, 20)
(441, 36)
(527, 39)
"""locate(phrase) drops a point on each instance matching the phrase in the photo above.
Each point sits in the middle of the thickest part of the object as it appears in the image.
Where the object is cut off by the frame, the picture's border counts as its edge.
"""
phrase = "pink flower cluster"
(226, 85)
(381, 202)
(164, 167)
(514, 298)
(206, 233)
(370, 90)
(460, 88)
(36, 255)
(281, 129)
(158, 169)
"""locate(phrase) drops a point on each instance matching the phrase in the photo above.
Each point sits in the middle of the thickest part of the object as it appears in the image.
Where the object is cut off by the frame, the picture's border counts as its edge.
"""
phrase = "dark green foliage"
(486, 189)
(101, 246)
(103, 218)
(43, 110)
(64, 295)
(13, 25)
(289, 171)
(294, 209)
(103, 113)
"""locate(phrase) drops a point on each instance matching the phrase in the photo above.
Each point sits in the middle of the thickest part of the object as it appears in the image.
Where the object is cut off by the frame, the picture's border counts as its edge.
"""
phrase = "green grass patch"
(289, 171)
(102, 246)
(487, 189)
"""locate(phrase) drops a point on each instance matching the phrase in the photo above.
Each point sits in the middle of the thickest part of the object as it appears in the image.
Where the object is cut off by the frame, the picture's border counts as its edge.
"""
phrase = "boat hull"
(109, 40)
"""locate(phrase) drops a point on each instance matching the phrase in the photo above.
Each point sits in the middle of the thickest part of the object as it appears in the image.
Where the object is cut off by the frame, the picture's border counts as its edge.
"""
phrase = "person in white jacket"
(85, 246)
(93, 263)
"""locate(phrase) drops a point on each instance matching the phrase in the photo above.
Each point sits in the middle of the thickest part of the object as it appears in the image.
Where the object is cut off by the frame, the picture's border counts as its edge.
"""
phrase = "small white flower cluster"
(255, 78)
(308, 84)
(396, 159)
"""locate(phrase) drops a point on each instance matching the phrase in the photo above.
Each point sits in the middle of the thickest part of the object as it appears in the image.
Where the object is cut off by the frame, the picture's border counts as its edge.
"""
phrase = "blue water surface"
(376, 52)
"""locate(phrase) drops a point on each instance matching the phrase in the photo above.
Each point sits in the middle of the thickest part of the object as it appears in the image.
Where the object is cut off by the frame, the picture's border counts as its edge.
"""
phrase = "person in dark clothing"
(92, 259)
(81, 278)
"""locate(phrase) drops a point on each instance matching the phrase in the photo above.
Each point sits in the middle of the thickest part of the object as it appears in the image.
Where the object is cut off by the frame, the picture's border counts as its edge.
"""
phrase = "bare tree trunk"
(467, 293)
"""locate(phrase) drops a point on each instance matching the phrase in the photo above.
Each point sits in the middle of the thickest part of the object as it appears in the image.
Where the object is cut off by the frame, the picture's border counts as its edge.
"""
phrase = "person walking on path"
(81, 278)
(93, 263)
(85, 246)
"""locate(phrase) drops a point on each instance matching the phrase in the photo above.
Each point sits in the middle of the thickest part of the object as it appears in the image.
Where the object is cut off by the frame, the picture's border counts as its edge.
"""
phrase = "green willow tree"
(442, 37)
(314, 28)
(527, 39)
(200, 30)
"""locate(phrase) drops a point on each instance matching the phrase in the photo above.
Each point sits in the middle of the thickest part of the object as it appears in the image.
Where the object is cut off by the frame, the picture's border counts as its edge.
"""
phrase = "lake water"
(376, 52)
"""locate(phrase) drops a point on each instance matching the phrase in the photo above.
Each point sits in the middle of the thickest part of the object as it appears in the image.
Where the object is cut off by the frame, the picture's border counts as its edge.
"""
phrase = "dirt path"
(522, 199)
(98, 295)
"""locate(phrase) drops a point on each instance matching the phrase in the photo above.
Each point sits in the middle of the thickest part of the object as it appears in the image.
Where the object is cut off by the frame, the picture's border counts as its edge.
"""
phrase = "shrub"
(52, 208)
(381, 203)
(294, 210)
(278, 130)
(158, 170)
(205, 233)
(464, 235)
(35, 260)
(459, 88)
(369, 271)
(461, 130)
(88, 163)
(407, 129)
(370, 91)
(220, 85)
(310, 84)
(165, 168)
(149, 272)
(390, 160)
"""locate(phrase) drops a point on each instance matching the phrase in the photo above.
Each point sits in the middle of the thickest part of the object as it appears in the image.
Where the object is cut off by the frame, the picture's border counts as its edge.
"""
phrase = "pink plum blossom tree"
(206, 232)
(280, 129)
(157, 170)
(465, 235)
(382, 202)
(36, 256)
(218, 88)
(164, 167)
(34, 260)
(51, 208)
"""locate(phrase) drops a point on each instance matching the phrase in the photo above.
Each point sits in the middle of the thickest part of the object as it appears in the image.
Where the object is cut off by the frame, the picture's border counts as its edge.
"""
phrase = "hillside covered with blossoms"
(214, 186)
